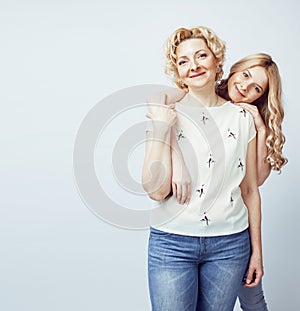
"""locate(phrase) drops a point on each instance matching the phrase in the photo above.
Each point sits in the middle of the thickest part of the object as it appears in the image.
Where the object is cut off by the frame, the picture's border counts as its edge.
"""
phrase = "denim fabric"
(252, 299)
(187, 273)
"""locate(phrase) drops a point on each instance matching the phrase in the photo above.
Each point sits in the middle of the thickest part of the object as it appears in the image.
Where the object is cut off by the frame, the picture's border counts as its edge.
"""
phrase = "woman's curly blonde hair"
(215, 44)
(269, 104)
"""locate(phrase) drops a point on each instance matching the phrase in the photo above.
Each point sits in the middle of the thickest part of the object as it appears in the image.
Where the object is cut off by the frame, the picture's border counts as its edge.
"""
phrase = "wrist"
(256, 251)
(177, 156)
(161, 125)
(262, 130)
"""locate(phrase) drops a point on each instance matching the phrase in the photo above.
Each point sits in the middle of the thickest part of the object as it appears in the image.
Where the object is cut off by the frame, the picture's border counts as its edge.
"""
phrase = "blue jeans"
(252, 299)
(188, 273)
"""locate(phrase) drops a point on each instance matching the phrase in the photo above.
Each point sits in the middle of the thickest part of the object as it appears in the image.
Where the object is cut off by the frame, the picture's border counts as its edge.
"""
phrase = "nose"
(194, 65)
(243, 86)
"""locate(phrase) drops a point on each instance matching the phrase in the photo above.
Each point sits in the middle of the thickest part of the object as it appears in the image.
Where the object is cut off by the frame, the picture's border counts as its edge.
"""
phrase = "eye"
(181, 62)
(201, 55)
(257, 89)
(245, 74)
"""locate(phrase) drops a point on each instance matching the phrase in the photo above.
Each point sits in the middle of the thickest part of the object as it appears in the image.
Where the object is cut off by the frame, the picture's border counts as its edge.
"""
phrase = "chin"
(236, 100)
(233, 98)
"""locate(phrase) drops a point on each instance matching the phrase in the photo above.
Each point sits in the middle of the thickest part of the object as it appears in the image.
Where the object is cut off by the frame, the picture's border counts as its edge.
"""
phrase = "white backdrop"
(58, 59)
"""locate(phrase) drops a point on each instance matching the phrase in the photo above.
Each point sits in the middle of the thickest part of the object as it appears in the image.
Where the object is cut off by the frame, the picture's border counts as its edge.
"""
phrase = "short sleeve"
(252, 130)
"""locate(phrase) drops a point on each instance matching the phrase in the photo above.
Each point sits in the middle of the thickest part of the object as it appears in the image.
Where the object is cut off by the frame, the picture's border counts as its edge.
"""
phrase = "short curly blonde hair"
(214, 43)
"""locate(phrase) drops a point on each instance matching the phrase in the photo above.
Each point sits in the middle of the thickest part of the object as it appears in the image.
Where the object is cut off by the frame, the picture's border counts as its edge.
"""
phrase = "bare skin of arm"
(263, 167)
(251, 198)
(157, 168)
(181, 180)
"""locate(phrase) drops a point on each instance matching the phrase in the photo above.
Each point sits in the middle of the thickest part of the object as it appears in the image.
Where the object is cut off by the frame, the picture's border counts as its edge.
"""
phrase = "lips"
(197, 75)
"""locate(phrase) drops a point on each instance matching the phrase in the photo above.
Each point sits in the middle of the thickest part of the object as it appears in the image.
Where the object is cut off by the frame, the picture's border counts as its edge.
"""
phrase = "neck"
(206, 97)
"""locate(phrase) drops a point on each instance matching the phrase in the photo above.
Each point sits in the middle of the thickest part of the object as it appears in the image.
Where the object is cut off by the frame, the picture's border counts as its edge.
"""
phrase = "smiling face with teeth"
(248, 85)
(196, 64)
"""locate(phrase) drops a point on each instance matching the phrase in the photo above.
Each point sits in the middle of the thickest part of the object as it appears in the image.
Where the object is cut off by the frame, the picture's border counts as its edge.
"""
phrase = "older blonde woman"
(197, 260)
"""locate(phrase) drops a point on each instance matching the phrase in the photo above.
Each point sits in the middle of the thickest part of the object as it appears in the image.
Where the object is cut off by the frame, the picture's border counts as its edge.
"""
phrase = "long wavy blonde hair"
(269, 104)
(215, 44)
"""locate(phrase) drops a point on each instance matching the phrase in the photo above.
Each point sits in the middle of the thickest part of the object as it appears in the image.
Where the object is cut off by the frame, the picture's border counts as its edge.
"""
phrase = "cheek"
(252, 96)
(235, 78)
(232, 97)
(210, 64)
(181, 72)
(231, 90)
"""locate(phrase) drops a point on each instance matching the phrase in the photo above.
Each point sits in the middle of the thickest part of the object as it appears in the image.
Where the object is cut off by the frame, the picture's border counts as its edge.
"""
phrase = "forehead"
(259, 75)
(190, 46)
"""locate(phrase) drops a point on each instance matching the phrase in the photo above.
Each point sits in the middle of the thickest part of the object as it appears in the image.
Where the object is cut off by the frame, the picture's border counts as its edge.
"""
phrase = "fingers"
(162, 113)
(251, 278)
(181, 192)
(250, 275)
(174, 189)
(258, 277)
(159, 98)
(250, 108)
(188, 197)
(174, 95)
(254, 277)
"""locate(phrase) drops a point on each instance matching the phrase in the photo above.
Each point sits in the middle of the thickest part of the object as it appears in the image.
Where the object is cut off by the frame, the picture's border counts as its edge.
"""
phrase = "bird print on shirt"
(241, 165)
(231, 200)
(180, 135)
(231, 134)
(204, 118)
(206, 219)
(200, 191)
(244, 112)
(210, 161)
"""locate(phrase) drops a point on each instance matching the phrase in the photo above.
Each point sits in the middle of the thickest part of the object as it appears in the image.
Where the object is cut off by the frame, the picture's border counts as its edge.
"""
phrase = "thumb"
(250, 276)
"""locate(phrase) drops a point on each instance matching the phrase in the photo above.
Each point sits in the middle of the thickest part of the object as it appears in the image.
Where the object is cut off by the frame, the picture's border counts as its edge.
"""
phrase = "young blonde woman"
(197, 260)
(254, 84)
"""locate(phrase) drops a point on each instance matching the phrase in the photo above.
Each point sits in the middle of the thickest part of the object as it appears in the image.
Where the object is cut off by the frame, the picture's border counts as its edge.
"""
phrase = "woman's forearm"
(251, 197)
(255, 268)
(252, 200)
(157, 169)
(263, 166)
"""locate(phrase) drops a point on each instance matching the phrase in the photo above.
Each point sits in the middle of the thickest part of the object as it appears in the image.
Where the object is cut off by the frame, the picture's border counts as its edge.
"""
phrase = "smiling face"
(247, 85)
(196, 64)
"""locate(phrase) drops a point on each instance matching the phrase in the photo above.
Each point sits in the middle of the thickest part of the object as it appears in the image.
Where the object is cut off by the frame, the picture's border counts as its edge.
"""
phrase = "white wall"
(58, 59)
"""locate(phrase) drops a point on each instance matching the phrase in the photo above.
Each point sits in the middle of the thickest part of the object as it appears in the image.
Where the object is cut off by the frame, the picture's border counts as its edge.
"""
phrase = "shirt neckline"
(204, 107)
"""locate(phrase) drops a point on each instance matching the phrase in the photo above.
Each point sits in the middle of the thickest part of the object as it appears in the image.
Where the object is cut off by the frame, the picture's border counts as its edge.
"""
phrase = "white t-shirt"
(213, 141)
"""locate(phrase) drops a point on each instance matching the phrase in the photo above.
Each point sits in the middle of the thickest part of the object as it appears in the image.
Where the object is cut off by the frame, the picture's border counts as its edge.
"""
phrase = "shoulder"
(235, 107)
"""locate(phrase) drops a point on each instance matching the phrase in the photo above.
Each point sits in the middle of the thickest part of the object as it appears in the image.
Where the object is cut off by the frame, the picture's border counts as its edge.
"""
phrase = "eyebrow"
(255, 83)
(201, 50)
